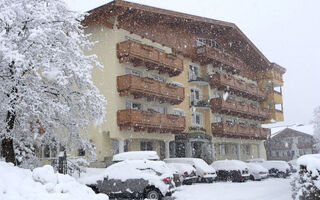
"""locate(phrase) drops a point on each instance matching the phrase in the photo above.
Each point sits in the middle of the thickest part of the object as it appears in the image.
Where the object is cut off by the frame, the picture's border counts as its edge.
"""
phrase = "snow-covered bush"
(46, 89)
(306, 183)
(41, 183)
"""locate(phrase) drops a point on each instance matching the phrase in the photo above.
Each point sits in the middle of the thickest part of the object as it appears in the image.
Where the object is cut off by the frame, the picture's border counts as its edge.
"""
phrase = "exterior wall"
(106, 82)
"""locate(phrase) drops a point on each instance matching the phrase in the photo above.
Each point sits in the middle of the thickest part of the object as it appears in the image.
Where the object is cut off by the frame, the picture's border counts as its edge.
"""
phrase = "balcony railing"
(222, 81)
(140, 54)
(150, 89)
(204, 103)
(238, 108)
(206, 54)
(138, 120)
(201, 80)
(227, 129)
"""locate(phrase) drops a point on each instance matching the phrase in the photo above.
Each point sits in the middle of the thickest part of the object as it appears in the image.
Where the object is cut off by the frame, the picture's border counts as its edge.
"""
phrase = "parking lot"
(271, 188)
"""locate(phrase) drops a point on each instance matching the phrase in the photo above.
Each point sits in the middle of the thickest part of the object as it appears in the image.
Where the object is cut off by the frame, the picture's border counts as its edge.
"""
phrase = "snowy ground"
(272, 188)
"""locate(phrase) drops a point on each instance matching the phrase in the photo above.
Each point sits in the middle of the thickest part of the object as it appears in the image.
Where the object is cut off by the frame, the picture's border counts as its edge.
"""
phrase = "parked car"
(257, 172)
(277, 168)
(135, 155)
(186, 172)
(135, 179)
(231, 170)
(204, 172)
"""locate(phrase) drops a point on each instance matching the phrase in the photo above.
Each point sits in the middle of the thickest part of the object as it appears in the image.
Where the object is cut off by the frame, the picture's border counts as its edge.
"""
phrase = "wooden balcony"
(226, 129)
(138, 120)
(238, 109)
(150, 89)
(143, 55)
(228, 83)
(206, 55)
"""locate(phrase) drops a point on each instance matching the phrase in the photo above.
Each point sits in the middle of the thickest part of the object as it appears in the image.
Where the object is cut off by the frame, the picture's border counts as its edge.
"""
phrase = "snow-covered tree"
(316, 127)
(46, 91)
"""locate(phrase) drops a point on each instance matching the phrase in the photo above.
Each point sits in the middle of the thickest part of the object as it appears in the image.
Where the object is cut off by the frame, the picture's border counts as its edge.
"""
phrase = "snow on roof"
(256, 168)
(311, 161)
(181, 168)
(196, 162)
(136, 155)
(41, 183)
(278, 164)
(229, 165)
(308, 129)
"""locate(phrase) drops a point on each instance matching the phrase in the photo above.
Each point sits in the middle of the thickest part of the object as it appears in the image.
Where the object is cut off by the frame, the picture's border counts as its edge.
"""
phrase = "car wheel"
(153, 194)
(251, 177)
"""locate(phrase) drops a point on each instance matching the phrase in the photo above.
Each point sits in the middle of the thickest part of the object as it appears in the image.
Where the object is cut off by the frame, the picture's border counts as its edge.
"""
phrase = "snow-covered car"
(134, 179)
(257, 172)
(204, 172)
(186, 172)
(231, 170)
(135, 155)
(277, 168)
(256, 160)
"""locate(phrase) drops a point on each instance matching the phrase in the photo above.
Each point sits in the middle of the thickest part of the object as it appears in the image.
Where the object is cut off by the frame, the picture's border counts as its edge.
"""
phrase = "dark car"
(136, 179)
(277, 168)
(231, 170)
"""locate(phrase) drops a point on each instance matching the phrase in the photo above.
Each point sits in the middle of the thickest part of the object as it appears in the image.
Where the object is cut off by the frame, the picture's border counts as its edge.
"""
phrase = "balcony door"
(194, 71)
(195, 96)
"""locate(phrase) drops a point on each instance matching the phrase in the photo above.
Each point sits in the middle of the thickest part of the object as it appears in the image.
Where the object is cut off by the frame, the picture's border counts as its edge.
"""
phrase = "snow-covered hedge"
(306, 183)
(41, 183)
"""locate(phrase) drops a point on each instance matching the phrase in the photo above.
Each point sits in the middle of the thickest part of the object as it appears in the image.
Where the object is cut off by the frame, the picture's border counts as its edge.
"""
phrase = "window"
(162, 150)
(201, 41)
(217, 119)
(146, 146)
(195, 96)
(213, 43)
(245, 149)
(222, 149)
(194, 71)
(134, 72)
(133, 105)
(178, 112)
(81, 152)
(196, 119)
(159, 109)
(115, 147)
(234, 149)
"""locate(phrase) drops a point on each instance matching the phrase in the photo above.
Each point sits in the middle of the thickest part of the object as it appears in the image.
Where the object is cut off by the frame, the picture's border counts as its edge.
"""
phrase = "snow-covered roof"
(256, 168)
(278, 164)
(181, 168)
(136, 155)
(308, 129)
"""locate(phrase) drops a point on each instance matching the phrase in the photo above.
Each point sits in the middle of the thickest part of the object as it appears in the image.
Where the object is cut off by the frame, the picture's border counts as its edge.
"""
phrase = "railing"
(203, 103)
(149, 121)
(206, 54)
(245, 89)
(238, 108)
(140, 54)
(151, 89)
(195, 78)
(227, 129)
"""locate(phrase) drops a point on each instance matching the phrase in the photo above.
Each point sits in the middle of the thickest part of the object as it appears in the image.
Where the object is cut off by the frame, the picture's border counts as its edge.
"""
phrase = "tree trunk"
(7, 149)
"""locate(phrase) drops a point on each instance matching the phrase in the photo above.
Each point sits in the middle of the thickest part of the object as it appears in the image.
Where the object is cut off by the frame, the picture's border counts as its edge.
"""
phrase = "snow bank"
(136, 155)
(41, 183)
(229, 165)
(311, 161)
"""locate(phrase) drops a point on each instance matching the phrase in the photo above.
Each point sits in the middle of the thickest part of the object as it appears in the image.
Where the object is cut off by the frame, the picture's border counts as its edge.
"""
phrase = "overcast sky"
(286, 31)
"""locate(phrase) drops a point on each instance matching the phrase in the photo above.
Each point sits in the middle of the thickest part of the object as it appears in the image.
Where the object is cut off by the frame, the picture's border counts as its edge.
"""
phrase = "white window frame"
(178, 112)
(194, 118)
(193, 95)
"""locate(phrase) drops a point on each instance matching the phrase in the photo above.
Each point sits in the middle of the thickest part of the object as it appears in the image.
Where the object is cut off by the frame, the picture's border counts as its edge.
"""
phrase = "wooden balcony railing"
(140, 54)
(206, 54)
(238, 108)
(222, 81)
(150, 89)
(138, 120)
(226, 129)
